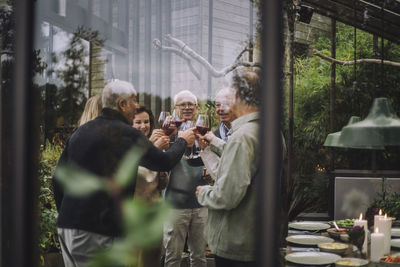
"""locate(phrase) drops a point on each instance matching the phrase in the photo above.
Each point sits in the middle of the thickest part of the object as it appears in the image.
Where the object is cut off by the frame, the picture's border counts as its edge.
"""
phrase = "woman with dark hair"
(144, 121)
(149, 183)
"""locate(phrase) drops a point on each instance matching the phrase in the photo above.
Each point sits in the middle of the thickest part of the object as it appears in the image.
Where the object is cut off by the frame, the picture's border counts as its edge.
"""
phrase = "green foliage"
(48, 241)
(62, 104)
(130, 165)
(311, 106)
(143, 227)
(209, 109)
(78, 182)
(388, 201)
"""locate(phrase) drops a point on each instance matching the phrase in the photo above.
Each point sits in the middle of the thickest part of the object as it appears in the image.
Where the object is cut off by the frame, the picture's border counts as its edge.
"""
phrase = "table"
(349, 253)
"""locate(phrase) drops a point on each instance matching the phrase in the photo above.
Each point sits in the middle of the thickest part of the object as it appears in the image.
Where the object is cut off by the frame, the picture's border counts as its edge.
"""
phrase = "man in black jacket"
(88, 223)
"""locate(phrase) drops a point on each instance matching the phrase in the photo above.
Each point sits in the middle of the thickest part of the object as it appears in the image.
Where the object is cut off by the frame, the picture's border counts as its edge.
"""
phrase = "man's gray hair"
(247, 84)
(116, 90)
(185, 93)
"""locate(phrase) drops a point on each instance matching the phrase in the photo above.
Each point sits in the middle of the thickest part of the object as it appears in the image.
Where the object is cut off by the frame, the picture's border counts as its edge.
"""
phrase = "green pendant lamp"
(380, 128)
(332, 140)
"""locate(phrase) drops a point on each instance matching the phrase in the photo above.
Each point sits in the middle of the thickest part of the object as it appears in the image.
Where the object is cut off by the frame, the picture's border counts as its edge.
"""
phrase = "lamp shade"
(380, 128)
(332, 139)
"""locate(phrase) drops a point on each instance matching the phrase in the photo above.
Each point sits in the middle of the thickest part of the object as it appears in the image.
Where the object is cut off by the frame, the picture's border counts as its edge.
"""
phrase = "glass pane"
(162, 48)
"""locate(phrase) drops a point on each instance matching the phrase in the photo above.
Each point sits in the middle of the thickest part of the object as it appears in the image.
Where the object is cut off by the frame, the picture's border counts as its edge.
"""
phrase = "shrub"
(48, 241)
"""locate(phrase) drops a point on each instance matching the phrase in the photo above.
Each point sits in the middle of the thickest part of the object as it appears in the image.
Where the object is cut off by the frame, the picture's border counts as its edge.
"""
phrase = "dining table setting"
(346, 242)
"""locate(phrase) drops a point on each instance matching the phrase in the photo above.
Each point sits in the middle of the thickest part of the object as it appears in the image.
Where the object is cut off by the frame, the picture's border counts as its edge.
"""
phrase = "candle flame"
(360, 216)
(380, 212)
(385, 215)
(377, 230)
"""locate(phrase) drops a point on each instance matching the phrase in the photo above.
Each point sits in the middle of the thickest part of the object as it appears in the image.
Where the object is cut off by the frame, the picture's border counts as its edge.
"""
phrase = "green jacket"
(231, 201)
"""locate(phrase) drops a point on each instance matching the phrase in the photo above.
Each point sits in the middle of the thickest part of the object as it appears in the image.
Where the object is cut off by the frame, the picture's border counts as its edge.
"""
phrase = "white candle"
(377, 245)
(377, 217)
(385, 227)
(363, 223)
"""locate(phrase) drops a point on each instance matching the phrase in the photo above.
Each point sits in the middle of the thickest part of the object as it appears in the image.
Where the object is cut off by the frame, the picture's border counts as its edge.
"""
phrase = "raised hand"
(189, 136)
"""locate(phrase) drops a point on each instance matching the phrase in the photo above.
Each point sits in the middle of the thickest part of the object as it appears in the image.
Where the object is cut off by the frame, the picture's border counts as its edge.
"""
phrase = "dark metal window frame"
(24, 144)
(19, 184)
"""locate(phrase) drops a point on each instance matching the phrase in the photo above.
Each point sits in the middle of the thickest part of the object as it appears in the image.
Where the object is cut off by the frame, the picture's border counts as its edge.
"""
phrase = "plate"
(337, 248)
(310, 226)
(396, 232)
(395, 243)
(315, 258)
(351, 262)
(310, 240)
(344, 237)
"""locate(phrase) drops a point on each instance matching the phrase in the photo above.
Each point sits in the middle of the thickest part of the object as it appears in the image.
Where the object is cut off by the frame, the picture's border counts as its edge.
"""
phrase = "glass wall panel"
(160, 46)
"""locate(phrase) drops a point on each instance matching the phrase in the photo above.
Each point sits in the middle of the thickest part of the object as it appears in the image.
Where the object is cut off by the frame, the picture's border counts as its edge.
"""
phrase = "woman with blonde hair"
(92, 109)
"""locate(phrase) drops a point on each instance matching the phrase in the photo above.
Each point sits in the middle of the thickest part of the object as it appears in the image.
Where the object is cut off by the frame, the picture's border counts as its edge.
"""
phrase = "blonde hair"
(92, 109)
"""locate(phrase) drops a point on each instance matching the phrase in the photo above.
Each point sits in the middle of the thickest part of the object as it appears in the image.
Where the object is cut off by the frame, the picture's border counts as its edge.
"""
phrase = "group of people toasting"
(220, 214)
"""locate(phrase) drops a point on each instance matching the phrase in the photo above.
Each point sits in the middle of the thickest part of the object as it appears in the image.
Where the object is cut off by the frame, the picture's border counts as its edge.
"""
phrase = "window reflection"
(88, 43)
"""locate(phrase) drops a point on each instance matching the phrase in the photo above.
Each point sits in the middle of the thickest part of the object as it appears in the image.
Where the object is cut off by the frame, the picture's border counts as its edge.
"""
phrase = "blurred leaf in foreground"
(129, 165)
(78, 182)
(143, 222)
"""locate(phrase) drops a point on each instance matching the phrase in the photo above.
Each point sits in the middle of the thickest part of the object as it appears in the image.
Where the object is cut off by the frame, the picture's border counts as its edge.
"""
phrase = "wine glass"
(168, 125)
(189, 150)
(162, 117)
(203, 124)
(177, 118)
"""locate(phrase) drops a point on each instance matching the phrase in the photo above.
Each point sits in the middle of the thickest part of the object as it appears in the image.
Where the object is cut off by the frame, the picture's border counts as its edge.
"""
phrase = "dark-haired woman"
(149, 184)
(144, 121)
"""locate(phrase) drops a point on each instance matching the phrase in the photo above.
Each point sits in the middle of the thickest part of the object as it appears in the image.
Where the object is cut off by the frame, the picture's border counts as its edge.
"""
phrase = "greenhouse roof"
(380, 17)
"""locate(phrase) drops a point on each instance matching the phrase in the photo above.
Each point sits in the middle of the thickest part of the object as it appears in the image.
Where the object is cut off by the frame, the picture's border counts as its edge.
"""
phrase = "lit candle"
(377, 217)
(363, 223)
(385, 227)
(377, 245)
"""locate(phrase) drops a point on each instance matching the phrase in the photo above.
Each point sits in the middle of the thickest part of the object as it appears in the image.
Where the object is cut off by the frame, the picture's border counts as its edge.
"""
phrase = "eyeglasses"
(186, 105)
(223, 104)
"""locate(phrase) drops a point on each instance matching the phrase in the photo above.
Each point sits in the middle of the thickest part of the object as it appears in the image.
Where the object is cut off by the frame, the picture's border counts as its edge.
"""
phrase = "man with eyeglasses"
(189, 217)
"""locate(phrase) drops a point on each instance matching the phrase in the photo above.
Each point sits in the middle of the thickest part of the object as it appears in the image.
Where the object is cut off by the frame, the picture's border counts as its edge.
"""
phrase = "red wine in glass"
(177, 118)
(168, 125)
(163, 116)
(202, 130)
(178, 123)
(169, 130)
(203, 124)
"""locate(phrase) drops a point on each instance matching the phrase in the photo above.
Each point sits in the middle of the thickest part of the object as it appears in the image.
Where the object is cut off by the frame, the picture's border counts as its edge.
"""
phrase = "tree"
(71, 96)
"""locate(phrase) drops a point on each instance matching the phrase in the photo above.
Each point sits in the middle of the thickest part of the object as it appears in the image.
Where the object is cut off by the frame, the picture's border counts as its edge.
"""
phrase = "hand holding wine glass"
(187, 125)
(188, 135)
(203, 124)
(166, 123)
